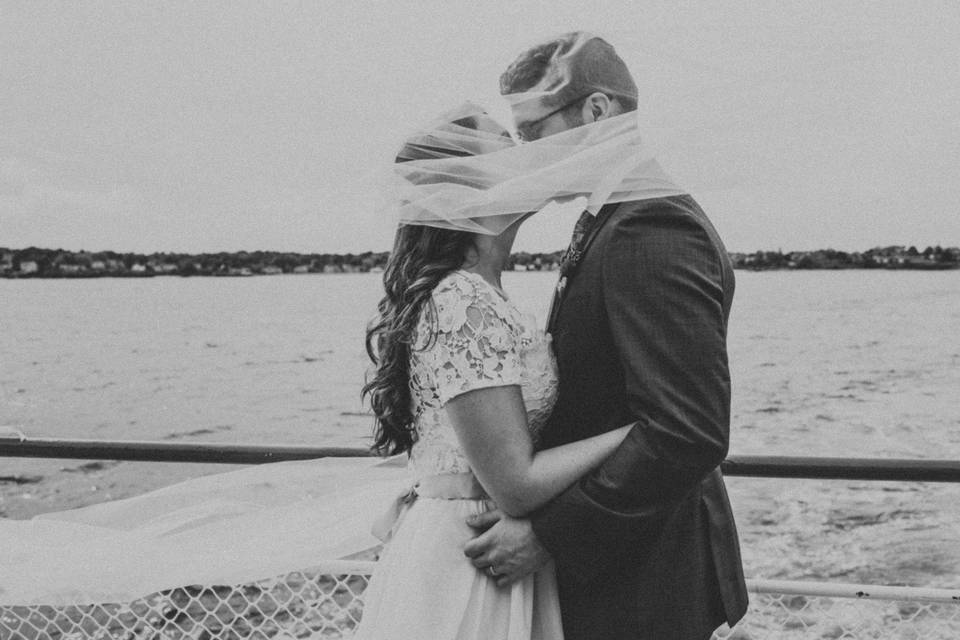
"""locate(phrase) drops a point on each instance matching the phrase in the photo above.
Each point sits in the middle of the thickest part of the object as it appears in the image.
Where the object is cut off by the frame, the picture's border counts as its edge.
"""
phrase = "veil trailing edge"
(224, 529)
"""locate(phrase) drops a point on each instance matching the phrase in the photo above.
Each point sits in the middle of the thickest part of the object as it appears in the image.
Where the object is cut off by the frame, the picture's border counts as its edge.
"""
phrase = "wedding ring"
(493, 572)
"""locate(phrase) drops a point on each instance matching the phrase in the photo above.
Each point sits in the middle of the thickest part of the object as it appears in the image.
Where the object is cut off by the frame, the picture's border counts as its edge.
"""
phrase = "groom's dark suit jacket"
(646, 545)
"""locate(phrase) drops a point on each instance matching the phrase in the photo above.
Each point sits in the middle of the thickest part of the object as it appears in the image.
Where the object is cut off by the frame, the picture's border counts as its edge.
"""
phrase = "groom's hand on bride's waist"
(506, 544)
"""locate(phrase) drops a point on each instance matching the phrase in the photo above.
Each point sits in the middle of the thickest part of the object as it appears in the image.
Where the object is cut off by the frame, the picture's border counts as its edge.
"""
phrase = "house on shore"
(29, 266)
(162, 267)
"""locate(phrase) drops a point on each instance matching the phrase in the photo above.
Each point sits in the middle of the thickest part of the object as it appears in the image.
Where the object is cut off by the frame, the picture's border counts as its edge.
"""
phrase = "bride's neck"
(489, 255)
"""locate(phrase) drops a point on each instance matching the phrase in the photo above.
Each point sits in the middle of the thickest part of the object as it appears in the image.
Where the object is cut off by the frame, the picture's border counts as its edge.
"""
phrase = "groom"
(645, 546)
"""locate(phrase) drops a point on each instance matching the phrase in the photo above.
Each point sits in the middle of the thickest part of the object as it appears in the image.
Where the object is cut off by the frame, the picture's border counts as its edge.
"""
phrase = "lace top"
(471, 338)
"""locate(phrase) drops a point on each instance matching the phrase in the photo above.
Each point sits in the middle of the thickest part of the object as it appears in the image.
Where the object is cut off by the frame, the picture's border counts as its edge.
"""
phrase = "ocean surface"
(826, 363)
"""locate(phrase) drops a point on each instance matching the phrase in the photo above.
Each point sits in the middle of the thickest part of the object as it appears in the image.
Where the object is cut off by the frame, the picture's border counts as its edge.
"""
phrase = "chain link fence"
(322, 602)
(327, 601)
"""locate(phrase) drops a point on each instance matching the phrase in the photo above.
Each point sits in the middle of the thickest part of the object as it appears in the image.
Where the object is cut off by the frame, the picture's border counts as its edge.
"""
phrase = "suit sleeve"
(663, 292)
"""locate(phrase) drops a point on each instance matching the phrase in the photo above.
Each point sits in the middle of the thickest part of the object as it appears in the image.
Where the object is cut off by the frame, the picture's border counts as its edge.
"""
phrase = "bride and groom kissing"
(568, 480)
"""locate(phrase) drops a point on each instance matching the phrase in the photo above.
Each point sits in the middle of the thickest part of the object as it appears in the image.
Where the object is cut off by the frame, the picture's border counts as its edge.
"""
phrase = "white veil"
(463, 171)
(224, 529)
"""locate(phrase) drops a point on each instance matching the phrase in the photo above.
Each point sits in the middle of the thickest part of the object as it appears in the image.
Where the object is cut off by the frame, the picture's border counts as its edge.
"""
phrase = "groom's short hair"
(593, 66)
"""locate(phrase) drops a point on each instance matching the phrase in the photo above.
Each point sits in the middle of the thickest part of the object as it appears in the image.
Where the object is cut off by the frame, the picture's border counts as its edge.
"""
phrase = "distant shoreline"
(34, 262)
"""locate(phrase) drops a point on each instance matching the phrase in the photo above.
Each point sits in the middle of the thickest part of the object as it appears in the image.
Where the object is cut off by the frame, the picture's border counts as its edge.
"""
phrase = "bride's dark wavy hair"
(421, 257)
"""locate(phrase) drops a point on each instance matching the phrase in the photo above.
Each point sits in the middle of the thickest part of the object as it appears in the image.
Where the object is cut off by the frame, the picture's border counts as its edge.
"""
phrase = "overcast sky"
(209, 126)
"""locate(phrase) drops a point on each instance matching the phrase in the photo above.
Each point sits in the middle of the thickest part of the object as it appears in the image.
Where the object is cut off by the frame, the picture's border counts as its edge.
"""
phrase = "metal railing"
(887, 469)
(20, 446)
(326, 600)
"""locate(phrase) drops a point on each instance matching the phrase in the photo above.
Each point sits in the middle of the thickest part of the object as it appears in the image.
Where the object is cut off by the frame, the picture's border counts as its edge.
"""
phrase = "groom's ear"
(597, 106)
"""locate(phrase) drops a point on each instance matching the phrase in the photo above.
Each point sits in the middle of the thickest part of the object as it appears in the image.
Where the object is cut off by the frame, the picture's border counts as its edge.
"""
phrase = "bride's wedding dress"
(266, 520)
(424, 586)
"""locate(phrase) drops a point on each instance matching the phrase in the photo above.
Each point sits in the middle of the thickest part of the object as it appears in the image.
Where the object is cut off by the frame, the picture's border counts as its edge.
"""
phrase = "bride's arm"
(491, 424)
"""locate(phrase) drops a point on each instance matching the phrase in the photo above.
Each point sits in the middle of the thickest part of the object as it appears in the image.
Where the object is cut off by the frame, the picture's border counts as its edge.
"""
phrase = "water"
(841, 363)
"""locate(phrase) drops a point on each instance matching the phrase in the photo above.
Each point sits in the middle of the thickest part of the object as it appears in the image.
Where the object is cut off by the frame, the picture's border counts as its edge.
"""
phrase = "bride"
(463, 383)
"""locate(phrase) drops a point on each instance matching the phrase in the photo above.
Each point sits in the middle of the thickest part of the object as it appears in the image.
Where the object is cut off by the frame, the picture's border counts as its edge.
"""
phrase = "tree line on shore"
(34, 262)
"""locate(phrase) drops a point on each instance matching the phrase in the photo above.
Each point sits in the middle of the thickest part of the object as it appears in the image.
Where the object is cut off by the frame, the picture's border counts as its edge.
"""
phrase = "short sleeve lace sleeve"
(469, 339)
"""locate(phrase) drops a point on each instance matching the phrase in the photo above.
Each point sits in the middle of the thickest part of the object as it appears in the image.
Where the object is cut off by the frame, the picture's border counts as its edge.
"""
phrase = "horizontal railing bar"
(889, 469)
(858, 591)
(153, 451)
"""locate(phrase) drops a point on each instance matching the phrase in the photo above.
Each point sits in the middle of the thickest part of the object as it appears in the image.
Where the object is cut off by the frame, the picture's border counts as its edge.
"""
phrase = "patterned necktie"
(571, 258)
(573, 254)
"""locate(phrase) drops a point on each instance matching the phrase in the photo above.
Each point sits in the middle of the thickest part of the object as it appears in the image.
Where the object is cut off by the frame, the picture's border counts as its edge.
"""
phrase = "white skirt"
(424, 587)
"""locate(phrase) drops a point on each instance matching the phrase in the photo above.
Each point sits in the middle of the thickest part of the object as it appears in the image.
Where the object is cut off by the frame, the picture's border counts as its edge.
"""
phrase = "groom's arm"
(664, 291)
